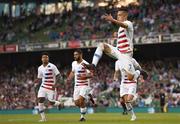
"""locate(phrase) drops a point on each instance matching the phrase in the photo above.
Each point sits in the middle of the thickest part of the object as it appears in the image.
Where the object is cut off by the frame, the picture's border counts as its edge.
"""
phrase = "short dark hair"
(78, 51)
(115, 10)
(45, 53)
(123, 8)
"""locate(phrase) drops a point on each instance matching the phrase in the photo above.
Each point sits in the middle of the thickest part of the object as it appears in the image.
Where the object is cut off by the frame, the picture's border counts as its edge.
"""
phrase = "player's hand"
(35, 85)
(129, 75)
(107, 17)
(68, 81)
(36, 81)
(144, 74)
(56, 85)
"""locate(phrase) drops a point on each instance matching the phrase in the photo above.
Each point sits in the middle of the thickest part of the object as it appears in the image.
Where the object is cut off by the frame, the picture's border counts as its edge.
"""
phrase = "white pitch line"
(18, 119)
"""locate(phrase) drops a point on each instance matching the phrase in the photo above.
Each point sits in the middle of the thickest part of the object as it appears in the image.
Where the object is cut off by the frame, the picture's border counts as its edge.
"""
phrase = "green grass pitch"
(100, 118)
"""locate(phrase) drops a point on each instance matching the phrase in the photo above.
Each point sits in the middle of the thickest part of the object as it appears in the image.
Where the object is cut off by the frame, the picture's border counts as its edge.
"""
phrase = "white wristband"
(137, 74)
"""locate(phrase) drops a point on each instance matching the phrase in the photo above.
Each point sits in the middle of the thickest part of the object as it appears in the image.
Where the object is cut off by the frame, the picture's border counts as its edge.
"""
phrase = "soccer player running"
(124, 47)
(49, 77)
(82, 79)
(128, 87)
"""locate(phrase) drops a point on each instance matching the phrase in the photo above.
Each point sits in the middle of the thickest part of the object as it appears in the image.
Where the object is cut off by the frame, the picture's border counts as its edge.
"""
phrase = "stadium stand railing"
(154, 39)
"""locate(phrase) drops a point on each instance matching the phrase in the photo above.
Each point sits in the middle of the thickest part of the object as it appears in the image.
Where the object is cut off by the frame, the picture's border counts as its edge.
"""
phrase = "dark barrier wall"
(97, 110)
(65, 57)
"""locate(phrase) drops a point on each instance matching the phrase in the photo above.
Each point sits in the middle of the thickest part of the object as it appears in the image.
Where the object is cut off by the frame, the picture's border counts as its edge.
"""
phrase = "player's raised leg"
(108, 50)
(102, 47)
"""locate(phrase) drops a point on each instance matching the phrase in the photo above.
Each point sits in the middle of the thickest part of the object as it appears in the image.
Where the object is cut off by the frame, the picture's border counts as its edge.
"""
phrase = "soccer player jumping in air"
(124, 47)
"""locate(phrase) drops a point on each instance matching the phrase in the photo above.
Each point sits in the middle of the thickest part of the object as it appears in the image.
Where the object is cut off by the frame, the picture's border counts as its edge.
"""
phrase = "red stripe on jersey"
(122, 36)
(129, 82)
(123, 46)
(121, 31)
(49, 81)
(122, 41)
(81, 84)
(82, 81)
(49, 84)
(123, 51)
(50, 70)
(81, 74)
(48, 88)
(81, 78)
(49, 73)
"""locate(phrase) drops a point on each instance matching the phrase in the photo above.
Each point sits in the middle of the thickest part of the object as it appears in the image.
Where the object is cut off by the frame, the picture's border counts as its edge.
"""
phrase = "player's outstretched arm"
(70, 77)
(132, 76)
(111, 19)
(37, 81)
(136, 64)
(59, 79)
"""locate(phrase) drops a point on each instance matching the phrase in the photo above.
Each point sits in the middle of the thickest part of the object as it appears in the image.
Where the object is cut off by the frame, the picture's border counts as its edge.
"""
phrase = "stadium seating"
(86, 23)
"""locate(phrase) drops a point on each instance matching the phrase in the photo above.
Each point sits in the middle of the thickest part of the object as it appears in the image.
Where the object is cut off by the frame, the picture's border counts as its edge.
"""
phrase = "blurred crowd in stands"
(17, 89)
(152, 17)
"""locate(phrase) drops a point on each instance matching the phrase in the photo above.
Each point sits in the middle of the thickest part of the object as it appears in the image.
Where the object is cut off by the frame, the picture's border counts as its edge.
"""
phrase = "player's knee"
(129, 98)
(104, 47)
(101, 45)
(51, 102)
(107, 49)
(77, 103)
(81, 101)
(124, 98)
(41, 100)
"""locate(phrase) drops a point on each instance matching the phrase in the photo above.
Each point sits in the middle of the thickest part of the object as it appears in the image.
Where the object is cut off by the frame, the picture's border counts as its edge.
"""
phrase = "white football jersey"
(125, 38)
(119, 67)
(48, 75)
(79, 69)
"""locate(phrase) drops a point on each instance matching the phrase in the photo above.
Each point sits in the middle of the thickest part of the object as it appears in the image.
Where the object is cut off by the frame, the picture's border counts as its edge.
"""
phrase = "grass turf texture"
(100, 118)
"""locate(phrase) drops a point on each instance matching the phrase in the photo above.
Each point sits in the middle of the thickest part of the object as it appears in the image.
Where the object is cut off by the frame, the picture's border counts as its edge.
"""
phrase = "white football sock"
(130, 108)
(57, 103)
(97, 55)
(41, 110)
(83, 112)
